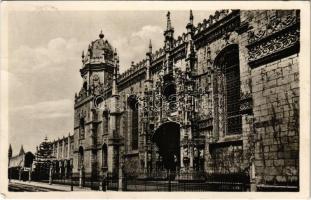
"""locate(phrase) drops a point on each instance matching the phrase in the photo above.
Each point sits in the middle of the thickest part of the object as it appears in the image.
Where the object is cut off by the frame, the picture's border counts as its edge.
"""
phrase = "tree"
(44, 151)
(44, 157)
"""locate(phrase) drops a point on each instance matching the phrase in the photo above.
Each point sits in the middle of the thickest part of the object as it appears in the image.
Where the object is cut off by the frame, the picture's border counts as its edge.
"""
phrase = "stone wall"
(275, 94)
(276, 111)
(269, 97)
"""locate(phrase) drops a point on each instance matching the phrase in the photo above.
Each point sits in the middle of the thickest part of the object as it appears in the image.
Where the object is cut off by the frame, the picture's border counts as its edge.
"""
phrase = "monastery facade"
(221, 98)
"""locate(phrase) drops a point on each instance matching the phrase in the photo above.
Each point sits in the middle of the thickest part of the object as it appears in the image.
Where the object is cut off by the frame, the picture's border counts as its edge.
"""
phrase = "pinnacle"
(101, 35)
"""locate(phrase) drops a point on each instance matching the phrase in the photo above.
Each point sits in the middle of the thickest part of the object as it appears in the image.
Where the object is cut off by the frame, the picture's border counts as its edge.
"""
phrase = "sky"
(45, 57)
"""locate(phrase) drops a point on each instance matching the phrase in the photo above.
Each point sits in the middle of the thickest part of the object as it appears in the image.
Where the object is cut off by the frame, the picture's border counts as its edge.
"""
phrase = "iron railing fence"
(190, 181)
(174, 186)
(278, 188)
(162, 181)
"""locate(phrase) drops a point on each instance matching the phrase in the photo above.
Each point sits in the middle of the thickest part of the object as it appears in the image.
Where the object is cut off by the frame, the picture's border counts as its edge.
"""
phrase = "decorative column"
(169, 42)
(81, 176)
(186, 136)
(29, 174)
(121, 166)
(146, 124)
(114, 111)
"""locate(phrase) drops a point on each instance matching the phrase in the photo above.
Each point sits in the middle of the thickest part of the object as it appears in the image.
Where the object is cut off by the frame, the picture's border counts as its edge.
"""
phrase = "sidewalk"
(53, 186)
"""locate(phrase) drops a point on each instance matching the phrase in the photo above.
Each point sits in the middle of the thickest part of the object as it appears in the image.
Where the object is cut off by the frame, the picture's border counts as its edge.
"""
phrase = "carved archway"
(167, 139)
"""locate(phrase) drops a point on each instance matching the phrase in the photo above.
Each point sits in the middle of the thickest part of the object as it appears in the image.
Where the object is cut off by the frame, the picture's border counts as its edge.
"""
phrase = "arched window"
(133, 104)
(105, 122)
(227, 91)
(104, 156)
(82, 128)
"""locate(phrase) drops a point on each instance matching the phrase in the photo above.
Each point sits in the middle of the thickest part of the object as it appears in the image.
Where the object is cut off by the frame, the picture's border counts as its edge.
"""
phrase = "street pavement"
(26, 186)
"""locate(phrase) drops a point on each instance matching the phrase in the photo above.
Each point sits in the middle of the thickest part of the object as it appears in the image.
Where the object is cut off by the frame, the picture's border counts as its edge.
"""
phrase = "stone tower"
(98, 73)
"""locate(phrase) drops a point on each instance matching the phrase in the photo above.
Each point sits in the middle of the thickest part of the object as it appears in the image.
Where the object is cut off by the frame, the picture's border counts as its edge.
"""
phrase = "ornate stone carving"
(205, 124)
(210, 33)
(275, 24)
(97, 86)
(279, 39)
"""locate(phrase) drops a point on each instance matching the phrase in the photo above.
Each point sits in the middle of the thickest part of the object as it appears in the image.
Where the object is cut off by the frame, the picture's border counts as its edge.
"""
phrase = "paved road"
(19, 187)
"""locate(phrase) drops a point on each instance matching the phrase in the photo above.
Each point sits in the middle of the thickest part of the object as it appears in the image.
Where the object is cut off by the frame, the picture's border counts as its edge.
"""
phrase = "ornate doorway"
(167, 139)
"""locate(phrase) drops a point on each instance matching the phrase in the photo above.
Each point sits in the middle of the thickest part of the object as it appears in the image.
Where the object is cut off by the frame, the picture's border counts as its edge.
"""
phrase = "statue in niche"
(186, 159)
(97, 86)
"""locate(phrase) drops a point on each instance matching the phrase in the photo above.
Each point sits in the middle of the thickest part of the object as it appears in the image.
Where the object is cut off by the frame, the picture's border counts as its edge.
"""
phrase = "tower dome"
(99, 51)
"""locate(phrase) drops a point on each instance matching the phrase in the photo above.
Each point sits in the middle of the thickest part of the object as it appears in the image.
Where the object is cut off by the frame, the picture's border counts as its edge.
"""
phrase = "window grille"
(232, 75)
(133, 104)
(227, 91)
(104, 156)
(82, 128)
(135, 129)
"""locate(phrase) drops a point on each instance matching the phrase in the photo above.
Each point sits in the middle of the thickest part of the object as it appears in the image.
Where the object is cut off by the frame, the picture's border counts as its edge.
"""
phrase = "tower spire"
(191, 17)
(149, 57)
(21, 152)
(189, 26)
(168, 33)
(169, 24)
(101, 35)
(150, 46)
(115, 72)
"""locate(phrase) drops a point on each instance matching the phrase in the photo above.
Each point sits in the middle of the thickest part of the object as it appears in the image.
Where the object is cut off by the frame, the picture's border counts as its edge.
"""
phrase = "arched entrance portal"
(167, 139)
